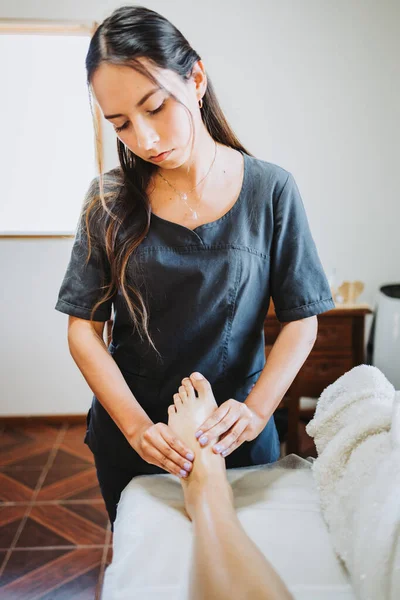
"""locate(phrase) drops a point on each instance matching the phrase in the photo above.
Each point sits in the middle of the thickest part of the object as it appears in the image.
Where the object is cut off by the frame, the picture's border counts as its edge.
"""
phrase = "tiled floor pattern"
(55, 536)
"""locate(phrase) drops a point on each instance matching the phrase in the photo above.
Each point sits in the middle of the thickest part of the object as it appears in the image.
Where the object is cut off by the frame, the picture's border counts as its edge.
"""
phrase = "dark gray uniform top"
(208, 292)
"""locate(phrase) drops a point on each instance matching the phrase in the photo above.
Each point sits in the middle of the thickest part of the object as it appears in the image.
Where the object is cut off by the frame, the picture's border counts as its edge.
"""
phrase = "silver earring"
(201, 102)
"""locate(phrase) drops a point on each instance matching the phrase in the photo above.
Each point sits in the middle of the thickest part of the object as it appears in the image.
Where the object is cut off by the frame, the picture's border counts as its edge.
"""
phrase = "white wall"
(312, 86)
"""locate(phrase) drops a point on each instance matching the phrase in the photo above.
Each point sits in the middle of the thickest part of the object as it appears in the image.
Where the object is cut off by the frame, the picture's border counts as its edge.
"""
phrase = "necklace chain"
(184, 196)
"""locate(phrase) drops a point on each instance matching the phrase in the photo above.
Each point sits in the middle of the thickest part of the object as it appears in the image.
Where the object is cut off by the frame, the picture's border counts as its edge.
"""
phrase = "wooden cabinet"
(338, 348)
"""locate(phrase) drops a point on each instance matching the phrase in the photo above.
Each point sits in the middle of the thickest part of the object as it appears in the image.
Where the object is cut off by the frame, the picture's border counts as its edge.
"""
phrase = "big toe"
(200, 383)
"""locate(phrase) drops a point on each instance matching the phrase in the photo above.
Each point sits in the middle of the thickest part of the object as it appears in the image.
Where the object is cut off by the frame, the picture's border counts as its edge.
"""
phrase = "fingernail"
(224, 453)
(218, 448)
(183, 473)
(188, 466)
(199, 433)
(190, 456)
(197, 376)
(203, 440)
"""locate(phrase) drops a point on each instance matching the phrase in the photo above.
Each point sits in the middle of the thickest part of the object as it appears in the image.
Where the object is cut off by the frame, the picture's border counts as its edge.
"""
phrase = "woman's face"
(146, 119)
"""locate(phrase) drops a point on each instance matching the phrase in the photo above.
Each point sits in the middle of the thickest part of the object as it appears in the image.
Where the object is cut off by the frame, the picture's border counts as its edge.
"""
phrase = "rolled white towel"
(357, 433)
(375, 560)
(361, 382)
(331, 464)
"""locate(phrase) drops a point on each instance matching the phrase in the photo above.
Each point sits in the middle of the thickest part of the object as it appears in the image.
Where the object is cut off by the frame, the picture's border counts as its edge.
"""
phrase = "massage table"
(278, 507)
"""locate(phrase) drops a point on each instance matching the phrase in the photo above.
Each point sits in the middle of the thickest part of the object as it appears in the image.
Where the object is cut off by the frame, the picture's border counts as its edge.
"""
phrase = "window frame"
(10, 26)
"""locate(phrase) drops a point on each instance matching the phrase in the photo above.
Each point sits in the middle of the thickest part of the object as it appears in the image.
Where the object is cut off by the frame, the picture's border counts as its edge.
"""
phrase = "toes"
(200, 385)
(182, 392)
(172, 409)
(187, 384)
(177, 401)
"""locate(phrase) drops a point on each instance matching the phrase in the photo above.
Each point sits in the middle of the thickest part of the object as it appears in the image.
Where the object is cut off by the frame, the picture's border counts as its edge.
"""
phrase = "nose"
(146, 137)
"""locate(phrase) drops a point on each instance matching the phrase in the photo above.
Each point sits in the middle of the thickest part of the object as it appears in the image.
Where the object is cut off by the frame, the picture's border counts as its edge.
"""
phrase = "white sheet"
(278, 506)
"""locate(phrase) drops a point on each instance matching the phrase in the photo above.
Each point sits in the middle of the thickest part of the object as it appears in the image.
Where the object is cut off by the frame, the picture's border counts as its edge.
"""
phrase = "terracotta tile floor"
(55, 536)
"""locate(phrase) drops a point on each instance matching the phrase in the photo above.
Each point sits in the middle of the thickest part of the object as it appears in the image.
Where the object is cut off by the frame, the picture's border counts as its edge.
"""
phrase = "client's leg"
(226, 562)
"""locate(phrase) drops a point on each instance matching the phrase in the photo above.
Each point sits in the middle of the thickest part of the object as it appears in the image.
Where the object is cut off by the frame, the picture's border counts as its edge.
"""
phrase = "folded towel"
(361, 382)
(376, 543)
(356, 429)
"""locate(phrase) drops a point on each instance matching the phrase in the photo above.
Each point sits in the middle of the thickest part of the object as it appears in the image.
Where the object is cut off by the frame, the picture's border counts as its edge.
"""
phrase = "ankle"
(211, 488)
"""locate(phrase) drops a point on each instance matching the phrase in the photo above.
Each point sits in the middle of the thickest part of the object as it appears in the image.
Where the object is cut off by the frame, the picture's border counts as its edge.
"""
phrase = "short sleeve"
(298, 284)
(83, 284)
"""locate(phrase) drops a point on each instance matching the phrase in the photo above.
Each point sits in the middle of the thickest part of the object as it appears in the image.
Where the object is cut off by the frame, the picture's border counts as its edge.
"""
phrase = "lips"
(161, 156)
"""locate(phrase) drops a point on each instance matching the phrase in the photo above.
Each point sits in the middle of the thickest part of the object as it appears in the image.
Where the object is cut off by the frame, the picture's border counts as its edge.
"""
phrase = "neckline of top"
(226, 215)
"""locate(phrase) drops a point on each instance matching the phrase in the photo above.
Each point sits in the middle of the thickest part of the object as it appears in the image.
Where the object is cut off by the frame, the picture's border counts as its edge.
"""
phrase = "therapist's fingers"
(179, 450)
(232, 439)
(242, 438)
(158, 450)
(219, 429)
(209, 426)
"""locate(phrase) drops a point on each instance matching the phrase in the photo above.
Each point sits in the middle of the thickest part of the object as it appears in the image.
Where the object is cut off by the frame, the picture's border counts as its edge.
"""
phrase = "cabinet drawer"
(334, 333)
(320, 371)
(325, 366)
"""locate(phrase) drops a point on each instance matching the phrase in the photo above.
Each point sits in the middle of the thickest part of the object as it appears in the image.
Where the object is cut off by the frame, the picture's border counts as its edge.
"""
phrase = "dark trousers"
(113, 479)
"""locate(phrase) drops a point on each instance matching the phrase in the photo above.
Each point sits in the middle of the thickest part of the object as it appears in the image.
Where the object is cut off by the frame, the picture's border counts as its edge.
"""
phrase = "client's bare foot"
(208, 474)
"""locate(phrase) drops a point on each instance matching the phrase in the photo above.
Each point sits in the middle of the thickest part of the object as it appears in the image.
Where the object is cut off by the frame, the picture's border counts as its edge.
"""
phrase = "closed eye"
(122, 127)
(156, 110)
(150, 112)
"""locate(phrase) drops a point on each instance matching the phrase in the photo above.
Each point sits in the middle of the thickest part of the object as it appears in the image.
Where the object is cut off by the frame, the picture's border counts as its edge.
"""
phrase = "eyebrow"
(142, 101)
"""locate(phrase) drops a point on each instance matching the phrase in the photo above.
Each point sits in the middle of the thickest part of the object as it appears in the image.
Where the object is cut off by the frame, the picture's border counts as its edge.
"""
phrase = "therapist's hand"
(235, 422)
(158, 445)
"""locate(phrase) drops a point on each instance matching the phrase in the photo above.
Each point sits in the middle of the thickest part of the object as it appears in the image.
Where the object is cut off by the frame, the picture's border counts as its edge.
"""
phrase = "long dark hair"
(117, 210)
